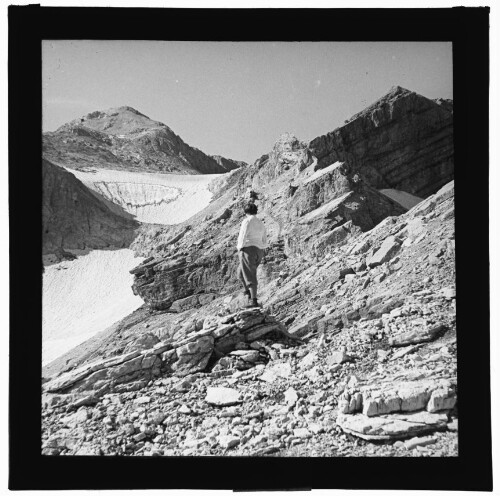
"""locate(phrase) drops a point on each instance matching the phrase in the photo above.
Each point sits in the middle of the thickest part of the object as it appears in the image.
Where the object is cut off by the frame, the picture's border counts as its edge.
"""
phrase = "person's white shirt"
(252, 233)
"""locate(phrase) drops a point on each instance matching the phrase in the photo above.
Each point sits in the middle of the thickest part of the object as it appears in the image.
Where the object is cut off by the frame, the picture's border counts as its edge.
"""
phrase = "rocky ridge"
(403, 141)
(124, 139)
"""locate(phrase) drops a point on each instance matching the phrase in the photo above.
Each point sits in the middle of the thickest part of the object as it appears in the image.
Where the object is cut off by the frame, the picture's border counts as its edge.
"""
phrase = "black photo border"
(468, 30)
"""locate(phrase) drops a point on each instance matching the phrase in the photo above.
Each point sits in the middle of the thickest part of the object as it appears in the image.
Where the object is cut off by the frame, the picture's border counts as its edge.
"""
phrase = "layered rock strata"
(373, 314)
(177, 357)
(306, 212)
(402, 141)
(396, 410)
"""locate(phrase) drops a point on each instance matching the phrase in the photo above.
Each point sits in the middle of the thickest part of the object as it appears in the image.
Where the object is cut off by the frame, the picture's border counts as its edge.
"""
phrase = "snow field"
(405, 199)
(85, 296)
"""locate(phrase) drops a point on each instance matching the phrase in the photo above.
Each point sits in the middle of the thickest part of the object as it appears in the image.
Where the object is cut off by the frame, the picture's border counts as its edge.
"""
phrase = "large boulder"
(397, 409)
(179, 357)
(389, 427)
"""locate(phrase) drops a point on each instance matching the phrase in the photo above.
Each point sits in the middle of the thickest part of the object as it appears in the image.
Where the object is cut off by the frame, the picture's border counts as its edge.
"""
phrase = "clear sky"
(236, 99)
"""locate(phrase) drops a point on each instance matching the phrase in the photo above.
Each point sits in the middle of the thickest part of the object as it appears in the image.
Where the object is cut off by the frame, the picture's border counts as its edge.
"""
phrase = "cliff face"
(403, 141)
(74, 218)
(124, 139)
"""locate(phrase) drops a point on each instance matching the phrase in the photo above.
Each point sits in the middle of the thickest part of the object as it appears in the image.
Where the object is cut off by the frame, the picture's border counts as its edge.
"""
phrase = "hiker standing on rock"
(251, 244)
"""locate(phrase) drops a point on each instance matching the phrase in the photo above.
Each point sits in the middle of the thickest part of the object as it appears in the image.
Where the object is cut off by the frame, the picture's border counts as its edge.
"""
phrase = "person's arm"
(241, 237)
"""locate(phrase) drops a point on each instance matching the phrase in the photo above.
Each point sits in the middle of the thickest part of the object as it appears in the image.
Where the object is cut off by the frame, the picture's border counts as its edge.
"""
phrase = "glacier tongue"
(151, 197)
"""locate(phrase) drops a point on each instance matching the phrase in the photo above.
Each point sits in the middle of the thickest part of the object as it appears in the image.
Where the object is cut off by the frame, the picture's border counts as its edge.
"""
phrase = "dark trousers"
(250, 258)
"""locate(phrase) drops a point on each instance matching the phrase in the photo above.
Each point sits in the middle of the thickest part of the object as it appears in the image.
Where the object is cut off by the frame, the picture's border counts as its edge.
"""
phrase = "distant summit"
(115, 121)
(125, 139)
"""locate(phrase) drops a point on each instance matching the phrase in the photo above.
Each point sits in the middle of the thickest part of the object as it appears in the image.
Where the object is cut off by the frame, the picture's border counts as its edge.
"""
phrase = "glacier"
(152, 198)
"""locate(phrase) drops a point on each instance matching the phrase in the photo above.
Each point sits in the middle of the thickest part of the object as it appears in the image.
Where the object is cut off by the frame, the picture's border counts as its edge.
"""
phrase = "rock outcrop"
(307, 212)
(330, 207)
(397, 409)
(74, 218)
(123, 138)
(179, 357)
(403, 141)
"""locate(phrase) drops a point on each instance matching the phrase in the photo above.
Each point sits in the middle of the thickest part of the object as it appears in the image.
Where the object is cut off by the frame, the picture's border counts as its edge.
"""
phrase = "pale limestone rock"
(194, 356)
(393, 426)
(302, 433)
(337, 357)
(280, 370)
(228, 442)
(442, 399)
(416, 336)
(291, 396)
(389, 248)
(77, 418)
(222, 396)
(419, 441)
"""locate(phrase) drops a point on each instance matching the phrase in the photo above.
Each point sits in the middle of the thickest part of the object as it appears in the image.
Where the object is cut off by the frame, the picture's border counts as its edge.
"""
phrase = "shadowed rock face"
(228, 163)
(402, 141)
(74, 218)
(123, 138)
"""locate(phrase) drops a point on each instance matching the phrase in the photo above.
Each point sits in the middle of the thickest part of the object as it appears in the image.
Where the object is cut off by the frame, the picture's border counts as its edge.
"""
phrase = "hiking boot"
(253, 304)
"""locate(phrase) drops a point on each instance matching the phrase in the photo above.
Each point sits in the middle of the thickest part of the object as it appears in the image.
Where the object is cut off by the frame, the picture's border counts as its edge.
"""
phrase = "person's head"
(250, 209)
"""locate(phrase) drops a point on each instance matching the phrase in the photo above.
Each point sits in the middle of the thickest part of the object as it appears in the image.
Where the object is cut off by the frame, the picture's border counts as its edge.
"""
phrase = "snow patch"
(325, 209)
(322, 172)
(85, 296)
(405, 199)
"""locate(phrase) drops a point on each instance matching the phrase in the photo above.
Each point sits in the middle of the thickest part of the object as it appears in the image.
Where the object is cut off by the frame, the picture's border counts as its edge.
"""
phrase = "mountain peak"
(124, 138)
(116, 120)
(126, 108)
(398, 90)
(393, 97)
